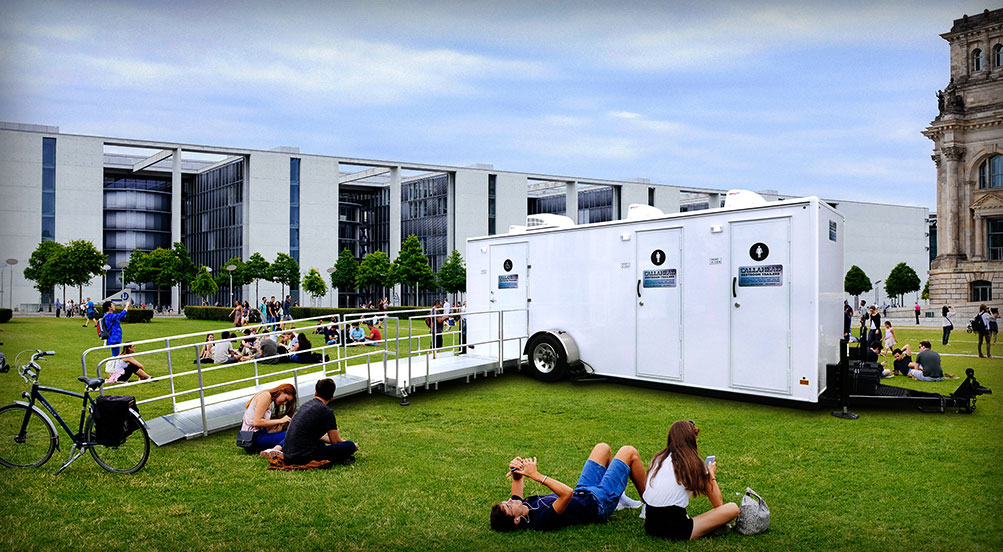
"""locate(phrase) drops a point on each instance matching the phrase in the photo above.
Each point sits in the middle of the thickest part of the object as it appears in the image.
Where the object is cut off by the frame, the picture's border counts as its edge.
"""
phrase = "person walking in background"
(994, 327)
(58, 306)
(90, 313)
(69, 308)
(237, 314)
(917, 313)
(984, 331)
(947, 312)
(889, 338)
(874, 326)
(864, 319)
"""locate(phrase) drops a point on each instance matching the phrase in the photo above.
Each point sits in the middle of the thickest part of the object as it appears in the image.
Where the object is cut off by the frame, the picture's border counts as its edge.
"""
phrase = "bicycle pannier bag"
(112, 420)
(754, 514)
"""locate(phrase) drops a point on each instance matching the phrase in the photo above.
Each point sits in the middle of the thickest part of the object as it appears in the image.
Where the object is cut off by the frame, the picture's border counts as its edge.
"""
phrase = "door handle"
(734, 292)
(638, 288)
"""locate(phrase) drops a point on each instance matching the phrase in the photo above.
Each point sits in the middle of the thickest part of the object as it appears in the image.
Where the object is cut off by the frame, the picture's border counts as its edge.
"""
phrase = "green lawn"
(427, 474)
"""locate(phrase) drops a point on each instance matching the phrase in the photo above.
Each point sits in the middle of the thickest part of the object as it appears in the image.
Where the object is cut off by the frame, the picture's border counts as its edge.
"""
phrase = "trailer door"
(509, 292)
(761, 304)
(658, 310)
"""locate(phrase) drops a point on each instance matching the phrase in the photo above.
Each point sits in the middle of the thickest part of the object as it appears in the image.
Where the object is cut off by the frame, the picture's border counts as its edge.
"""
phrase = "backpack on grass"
(113, 421)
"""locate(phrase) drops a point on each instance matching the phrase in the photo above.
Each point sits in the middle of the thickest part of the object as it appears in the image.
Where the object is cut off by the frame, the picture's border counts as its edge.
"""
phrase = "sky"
(808, 98)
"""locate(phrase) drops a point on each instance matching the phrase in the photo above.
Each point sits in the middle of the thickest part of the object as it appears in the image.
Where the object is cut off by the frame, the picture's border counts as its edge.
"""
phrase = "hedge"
(310, 312)
(138, 315)
(5, 315)
(222, 314)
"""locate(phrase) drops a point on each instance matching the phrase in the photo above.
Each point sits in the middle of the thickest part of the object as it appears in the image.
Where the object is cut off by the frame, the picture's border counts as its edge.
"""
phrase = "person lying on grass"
(676, 473)
(313, 422)
(599, 492)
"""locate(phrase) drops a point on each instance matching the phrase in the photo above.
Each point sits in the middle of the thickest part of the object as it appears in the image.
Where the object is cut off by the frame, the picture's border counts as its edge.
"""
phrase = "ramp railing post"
(256, 382)
(501, 338)
(397, 356)
(170, 372)
(205, 421)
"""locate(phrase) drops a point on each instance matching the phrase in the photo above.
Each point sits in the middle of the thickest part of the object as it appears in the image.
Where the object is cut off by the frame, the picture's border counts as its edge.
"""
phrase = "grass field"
(428, 474)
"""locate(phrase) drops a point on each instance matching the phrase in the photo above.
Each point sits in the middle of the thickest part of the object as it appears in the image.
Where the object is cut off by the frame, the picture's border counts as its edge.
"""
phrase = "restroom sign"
(663, 278)
(657, 257)
(508, 281)
(759, 251)
(507, 265)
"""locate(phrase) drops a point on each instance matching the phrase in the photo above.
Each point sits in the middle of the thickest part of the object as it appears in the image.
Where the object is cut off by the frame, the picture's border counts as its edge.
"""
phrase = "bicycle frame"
(87, 406)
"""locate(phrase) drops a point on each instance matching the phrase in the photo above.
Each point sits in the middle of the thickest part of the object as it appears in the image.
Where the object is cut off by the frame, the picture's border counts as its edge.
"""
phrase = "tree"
(453, 274)
(375, 271)
(204, 285)
(313, 283)
(42, 268)
(901, 280)
(256, 268)
(345, 271)
(411, 266)
(286, 271)
(926, 291)
(80, 262)
(856, 282)
(238, 277)
(163, 267)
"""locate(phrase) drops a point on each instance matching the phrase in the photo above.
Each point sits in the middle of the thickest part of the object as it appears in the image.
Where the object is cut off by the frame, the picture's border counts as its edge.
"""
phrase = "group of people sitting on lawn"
(926, 367)
(286, 347)
(309, 432)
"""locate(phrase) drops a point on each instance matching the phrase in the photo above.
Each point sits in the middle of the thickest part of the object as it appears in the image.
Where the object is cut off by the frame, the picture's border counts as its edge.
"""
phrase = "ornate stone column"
(953, 211)
(980, 245)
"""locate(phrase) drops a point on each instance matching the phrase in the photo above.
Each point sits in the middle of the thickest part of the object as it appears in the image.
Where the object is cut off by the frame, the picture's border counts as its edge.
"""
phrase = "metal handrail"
(330, 365)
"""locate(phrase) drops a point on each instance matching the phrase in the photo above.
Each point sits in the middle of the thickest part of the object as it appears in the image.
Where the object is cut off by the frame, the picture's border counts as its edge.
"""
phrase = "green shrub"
(139, 315)
(193, 312)
(5, 315)
(310, 312)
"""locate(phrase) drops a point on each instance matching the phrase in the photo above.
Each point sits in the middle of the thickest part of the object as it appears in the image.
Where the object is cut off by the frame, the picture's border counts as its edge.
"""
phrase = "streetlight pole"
(230, 268)
(11, 262)
(334, 290)
(104, 280)
(876, 291)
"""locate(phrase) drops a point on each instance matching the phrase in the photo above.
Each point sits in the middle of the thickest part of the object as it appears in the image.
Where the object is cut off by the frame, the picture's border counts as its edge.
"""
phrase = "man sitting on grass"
(927, 365)
(599, 492)
(310, 425)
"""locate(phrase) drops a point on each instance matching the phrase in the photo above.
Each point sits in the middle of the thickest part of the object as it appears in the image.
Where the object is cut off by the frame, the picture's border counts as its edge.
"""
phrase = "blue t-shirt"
(90, 307)
(581, 510)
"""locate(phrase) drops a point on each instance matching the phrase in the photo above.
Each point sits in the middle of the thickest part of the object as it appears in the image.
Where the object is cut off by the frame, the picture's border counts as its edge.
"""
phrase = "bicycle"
(28, 437)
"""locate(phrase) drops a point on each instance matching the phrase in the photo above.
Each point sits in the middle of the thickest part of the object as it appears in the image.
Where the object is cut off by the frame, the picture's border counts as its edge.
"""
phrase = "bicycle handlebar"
(29, 372)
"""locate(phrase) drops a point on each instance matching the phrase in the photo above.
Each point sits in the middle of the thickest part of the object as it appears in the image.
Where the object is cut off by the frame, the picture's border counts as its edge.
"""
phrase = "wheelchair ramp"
(226, 410)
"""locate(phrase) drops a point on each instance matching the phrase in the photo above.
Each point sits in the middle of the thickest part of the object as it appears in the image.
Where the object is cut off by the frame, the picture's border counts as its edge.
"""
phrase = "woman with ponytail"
(676, 473)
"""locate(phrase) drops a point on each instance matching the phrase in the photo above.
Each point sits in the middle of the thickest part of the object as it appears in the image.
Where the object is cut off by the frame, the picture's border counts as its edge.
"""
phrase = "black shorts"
(668, 522)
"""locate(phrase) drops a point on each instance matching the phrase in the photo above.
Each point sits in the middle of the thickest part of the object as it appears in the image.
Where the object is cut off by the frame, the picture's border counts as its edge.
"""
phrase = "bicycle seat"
(92, 383)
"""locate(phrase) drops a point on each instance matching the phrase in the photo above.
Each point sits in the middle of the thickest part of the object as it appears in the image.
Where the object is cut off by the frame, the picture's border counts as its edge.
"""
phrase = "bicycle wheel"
(29, 449)
(128, 457)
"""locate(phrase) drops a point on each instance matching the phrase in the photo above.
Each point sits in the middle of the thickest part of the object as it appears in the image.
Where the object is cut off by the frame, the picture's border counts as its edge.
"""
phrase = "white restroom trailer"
(737, 300)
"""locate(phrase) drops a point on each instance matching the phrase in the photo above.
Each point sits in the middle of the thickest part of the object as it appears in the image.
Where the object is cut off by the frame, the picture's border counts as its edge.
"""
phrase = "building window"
(48, 189)
(991, 172)
(994, 232)
(651, 197)
(294, 217)
(212, 225)
(982, 291)
(977, 60)
(998, 55)
(492, 190)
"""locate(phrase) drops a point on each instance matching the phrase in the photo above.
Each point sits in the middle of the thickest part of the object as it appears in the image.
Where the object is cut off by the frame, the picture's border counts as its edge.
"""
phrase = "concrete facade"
(82, 162)
(968, 135)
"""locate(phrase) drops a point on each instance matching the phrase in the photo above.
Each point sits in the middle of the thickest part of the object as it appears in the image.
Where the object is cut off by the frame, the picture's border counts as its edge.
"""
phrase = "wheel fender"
(45, 417)
(564, 338)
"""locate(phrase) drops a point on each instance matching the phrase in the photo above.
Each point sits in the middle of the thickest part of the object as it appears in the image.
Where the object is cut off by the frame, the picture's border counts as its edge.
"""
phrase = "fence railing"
(334, 358)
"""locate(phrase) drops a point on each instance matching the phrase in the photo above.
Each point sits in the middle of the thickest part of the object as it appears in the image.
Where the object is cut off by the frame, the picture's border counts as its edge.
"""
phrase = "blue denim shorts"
(605, 484)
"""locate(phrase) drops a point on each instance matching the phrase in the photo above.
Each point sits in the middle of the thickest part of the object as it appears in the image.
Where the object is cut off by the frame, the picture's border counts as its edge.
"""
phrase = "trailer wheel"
(547, 359)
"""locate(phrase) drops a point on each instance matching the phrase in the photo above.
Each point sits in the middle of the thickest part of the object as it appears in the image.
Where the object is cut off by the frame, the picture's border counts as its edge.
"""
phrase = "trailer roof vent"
(738, 199)
(640, 211)
(546, 220)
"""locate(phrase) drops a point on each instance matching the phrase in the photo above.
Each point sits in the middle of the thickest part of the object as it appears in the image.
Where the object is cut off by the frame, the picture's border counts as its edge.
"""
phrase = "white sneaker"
(273, 452)
(627, 502)
(643, 512)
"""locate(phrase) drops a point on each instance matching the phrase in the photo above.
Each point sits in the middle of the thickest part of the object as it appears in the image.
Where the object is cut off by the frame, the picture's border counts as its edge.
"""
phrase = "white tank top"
(248, 423)
(664, 490)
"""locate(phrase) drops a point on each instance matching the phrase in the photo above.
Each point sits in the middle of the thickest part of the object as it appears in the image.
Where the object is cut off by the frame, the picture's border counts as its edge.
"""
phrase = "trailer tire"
(547, 358)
